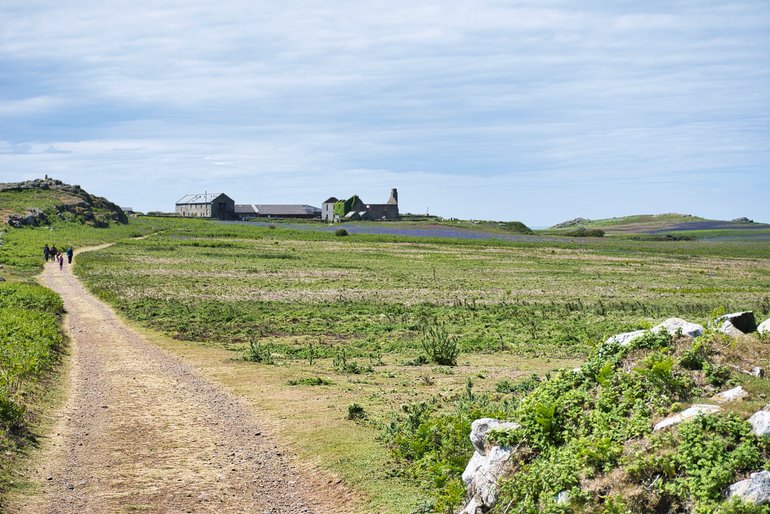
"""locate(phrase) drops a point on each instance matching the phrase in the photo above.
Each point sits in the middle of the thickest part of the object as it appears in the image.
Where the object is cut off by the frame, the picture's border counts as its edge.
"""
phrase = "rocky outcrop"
(755, 489)
(735, 324)
(572, 223)
(486, 466)
(760, 422)
(695, 410)
(672, 325)
(731, 395)
(84, 207)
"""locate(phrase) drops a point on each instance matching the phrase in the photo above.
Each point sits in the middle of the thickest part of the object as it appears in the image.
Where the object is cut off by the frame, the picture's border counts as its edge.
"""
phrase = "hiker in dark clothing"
(60, 258)
(69, 255)
(46, 252)
(54, 252)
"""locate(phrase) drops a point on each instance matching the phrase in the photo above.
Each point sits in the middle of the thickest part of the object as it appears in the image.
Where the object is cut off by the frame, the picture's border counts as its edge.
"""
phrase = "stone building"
(206, 205)
(355, 209)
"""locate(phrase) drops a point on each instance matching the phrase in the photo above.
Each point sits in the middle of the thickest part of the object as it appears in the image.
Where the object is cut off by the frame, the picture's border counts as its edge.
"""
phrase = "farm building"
(355, 209)
(206, 205)
(244, 211)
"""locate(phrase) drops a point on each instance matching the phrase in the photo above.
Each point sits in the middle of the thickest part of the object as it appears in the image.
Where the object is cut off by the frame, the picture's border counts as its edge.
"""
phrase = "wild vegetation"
(378, 321)
(384, 348)
(30, 343)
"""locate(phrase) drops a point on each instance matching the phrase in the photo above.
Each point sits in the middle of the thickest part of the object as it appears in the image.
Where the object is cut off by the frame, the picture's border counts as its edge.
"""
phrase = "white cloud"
(452, 100)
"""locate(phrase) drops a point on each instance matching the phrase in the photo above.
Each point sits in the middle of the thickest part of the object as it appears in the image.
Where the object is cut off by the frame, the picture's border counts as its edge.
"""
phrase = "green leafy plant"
(438, 345)
(356, 412)
(258, 352)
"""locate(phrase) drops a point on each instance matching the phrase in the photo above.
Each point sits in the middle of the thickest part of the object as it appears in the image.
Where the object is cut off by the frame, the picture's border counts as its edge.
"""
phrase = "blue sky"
(531, 111)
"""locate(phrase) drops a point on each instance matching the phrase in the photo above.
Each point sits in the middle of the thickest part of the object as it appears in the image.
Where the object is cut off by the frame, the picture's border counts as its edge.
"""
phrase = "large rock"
(731, 395)
(753, 490)
(760, 422)
(677, 325)
(486, 466)
(473, 466)
(625, 338)
(735, 324)
(764, 327)
(686, 414)
(480, 428)
(672, 325)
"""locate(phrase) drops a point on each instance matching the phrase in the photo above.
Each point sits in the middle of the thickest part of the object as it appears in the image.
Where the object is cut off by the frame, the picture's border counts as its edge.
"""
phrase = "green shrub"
(341, 232)
(258, 352)
(438, 345)
(311, 381)
(356, 412)
(584, 232)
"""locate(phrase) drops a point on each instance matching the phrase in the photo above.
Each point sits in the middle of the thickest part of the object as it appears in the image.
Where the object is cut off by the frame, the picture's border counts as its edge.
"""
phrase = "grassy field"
(335, 326)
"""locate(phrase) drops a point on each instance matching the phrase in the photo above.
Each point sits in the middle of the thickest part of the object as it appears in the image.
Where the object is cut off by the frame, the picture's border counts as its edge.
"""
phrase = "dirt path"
(142, 431)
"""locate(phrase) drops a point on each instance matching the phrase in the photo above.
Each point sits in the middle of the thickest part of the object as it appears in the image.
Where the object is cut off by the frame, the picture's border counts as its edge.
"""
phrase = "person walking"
(46, 252)
(54, 253)
(60, 258)
(69, 255)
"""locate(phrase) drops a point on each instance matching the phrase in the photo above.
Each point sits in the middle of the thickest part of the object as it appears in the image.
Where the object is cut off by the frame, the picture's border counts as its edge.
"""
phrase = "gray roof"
(331, 200)
(277, 210)
(198, 198)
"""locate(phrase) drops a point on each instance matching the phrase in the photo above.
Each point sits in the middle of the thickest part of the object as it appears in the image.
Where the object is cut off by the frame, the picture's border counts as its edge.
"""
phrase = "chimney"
(393, 200)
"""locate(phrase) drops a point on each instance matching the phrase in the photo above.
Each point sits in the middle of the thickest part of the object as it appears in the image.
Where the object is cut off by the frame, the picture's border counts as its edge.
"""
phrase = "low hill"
(40, 201)
(664, 225)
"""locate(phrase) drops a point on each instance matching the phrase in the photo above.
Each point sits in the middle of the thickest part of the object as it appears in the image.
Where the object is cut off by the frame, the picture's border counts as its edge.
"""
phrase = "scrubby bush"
(589, 432)
(439, 346)
(258, 352)
(340, 232)
(584, 232)
(356, 411)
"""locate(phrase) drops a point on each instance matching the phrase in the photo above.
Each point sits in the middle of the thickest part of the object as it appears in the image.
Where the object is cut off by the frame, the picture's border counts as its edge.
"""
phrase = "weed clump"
(356, 412)
(258, 352)
(589, 432)
(438, 345)
(341, 232)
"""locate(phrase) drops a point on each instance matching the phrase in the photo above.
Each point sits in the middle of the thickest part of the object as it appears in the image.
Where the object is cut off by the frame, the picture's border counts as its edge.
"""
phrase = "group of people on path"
(55, 255)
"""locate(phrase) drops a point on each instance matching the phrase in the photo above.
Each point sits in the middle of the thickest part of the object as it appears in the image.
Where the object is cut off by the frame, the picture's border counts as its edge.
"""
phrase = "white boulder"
(473, 466)
(625, 338)
(675, 325)
(481, 426)
(731, 395)
(482, 488)
(671, 325)
(764, 327)
(760, 423)
(686, 414)
(486, 466)
(753, 490)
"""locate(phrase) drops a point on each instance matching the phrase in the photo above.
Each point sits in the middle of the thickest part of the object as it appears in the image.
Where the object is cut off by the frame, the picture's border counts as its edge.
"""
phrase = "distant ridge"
(655, 224)
(40, 201)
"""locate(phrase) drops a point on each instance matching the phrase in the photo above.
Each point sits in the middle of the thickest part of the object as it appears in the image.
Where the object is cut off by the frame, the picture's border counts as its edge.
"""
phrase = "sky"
(505, 110)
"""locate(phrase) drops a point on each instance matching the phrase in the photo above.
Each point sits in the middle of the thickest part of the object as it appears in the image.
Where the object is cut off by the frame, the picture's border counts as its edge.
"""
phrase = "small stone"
(755, 489)
(760, 423)
(756, 371)
(731, 395)
(686, 414)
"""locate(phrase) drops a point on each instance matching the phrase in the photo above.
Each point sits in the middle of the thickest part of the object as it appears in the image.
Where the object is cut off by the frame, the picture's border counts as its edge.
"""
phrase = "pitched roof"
(198, 198)
(277, 210)
(331, 200)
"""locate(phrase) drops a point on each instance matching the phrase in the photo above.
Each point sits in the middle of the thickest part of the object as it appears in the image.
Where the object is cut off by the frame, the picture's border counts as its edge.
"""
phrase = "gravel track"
(142, 431)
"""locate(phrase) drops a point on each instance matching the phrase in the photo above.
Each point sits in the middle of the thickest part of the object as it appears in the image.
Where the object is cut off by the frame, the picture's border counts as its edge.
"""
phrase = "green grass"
(18, 202)
(21, 251)
(305, 296)
(30, 342)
